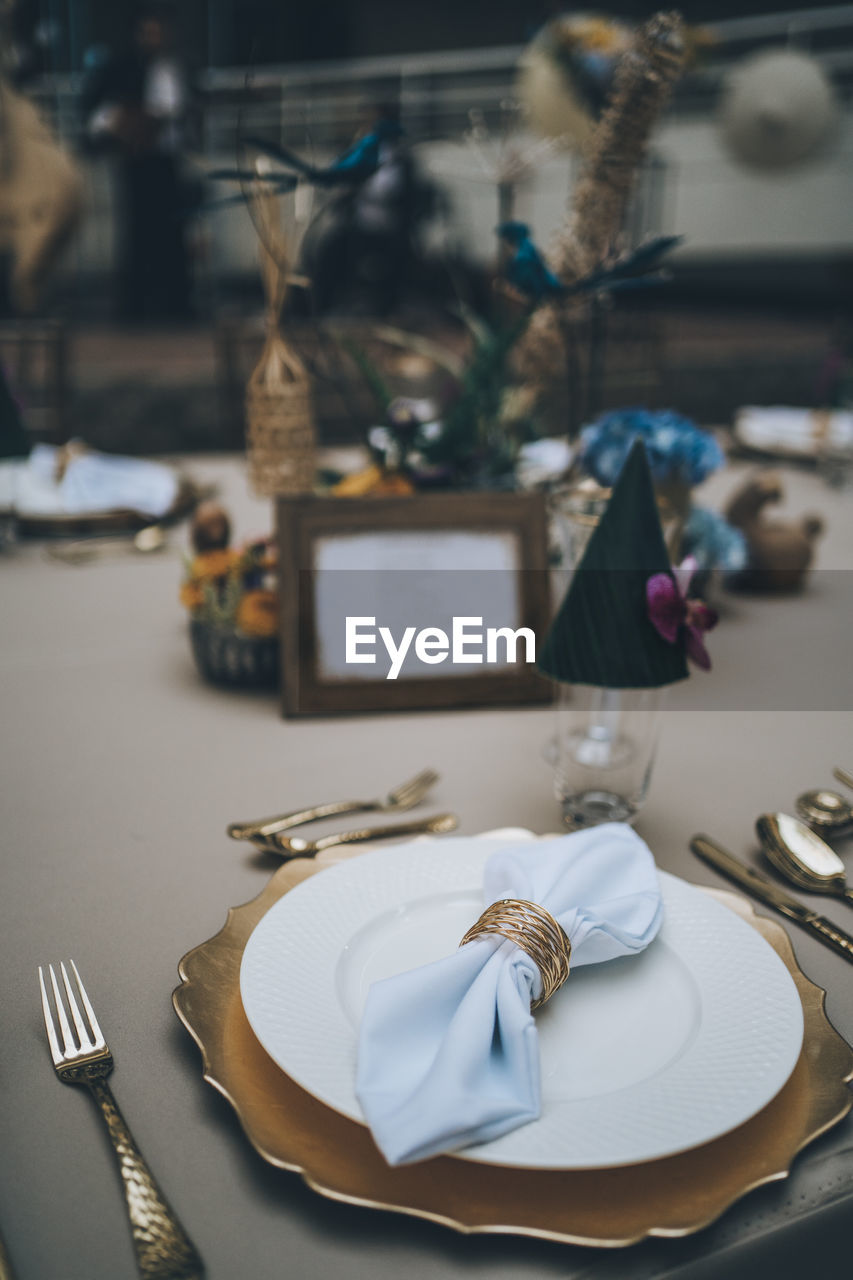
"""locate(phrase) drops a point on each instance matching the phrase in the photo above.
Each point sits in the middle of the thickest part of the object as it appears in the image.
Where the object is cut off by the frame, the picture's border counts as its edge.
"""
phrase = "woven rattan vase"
(280, 435)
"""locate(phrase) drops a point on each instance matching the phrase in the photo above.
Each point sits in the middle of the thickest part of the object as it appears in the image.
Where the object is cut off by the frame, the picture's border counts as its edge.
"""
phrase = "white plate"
(641, 1057)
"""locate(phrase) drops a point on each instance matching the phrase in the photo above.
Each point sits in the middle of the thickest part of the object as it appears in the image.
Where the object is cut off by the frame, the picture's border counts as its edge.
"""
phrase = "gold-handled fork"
(163, 1249)
(6, 1271)
(406, 796)
(295, 847)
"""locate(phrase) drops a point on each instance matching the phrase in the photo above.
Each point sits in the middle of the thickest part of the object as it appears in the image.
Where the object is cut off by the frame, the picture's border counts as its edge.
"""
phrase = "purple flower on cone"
(670, 610)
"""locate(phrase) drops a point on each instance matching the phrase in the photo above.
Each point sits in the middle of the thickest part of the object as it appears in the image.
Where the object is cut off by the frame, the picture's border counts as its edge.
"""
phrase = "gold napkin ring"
(536, 931)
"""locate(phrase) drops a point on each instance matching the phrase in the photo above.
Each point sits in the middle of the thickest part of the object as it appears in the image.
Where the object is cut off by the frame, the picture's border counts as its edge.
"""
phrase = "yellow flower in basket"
(192, 596)
(257, 613)
(213, 564)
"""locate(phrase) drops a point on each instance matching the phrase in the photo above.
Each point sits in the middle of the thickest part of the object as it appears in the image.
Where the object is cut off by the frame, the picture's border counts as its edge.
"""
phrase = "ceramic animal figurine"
(780, 551)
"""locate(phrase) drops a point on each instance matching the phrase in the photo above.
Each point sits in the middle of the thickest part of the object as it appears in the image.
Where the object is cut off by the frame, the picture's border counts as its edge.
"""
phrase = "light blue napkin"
(448, 1053)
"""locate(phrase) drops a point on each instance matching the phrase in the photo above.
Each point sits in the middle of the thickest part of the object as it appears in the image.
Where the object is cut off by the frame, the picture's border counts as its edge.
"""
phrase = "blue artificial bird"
(355, 165)
(531, 275)
(527, 270)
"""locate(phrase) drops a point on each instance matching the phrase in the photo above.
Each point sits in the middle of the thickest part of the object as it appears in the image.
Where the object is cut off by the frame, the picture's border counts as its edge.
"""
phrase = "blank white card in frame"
(409, 578)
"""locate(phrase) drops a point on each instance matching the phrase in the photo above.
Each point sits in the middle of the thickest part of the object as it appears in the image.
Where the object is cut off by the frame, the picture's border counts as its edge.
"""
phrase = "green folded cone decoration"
(602, 634)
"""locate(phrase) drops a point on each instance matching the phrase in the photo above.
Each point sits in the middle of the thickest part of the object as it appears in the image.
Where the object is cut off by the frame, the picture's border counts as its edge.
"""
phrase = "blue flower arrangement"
(712, 542)
(677, 449)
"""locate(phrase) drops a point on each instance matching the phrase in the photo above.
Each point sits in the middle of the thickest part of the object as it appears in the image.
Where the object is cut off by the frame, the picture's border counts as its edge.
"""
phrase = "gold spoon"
(800, 855)
(824, 810)
(846, 778)
(296, 847)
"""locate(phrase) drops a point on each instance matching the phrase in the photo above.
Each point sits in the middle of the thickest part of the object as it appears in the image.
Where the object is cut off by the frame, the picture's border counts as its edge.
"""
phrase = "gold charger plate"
(610, 1207)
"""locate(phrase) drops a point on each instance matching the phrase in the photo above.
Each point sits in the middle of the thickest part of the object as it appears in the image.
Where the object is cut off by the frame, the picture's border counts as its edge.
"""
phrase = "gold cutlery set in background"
(791, 845)
(798, 853)
(267, 833)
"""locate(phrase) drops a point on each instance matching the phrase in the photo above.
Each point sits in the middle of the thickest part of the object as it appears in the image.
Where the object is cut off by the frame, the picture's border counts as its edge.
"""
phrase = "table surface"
(120, 771)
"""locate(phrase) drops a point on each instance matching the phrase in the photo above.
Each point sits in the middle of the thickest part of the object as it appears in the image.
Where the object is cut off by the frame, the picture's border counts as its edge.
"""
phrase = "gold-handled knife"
(766, 891)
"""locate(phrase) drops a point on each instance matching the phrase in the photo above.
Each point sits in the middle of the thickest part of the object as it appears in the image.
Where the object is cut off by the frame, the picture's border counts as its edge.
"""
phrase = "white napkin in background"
(92, 482)
(448, 1053)
(104, 482)
(800, 430)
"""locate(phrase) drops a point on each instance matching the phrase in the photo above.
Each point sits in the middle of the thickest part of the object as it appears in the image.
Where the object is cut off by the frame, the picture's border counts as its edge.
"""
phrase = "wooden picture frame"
(427, 557)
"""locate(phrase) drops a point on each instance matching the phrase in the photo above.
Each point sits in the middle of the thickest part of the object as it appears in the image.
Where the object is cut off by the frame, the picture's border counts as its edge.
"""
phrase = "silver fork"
(406, 796)
(163, 1249)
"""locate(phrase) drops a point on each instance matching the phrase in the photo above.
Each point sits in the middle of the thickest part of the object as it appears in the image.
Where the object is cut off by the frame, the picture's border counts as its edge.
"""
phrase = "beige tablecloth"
(120, 771)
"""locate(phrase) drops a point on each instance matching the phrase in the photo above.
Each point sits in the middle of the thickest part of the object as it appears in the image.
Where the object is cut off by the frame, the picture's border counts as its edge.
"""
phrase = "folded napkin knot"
(536, 932)
(449, 1051)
